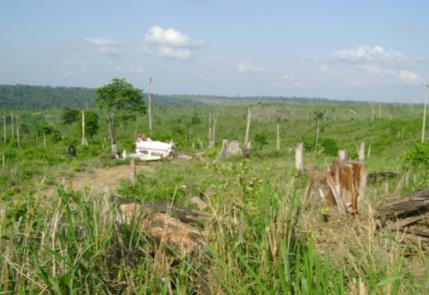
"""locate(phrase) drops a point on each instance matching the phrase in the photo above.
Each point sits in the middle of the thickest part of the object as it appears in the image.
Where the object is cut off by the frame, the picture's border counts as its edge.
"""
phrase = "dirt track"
(100, 180)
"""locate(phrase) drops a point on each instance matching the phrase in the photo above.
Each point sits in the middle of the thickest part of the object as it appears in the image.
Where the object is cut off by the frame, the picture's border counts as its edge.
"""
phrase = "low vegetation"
(263, 236)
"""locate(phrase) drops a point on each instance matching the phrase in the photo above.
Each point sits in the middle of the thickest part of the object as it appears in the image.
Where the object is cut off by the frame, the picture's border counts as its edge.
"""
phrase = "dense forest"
(47, 97)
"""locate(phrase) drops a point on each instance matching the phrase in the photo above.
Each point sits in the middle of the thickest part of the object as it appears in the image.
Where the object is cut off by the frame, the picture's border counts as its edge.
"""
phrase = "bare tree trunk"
(84, 141)
(213, 139)
(278, 137)
(342, 155)
(149, 105)
(114, 148)
(18, 139)
(4, 129)
(210, 130)
(299, 157)
(246, 137)
(424, 121)
(12, 127)
(316, 136)
(362, 152)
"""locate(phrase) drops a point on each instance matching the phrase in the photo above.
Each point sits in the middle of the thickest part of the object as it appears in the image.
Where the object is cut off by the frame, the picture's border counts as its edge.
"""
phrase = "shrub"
(417, 156)
(329, 146)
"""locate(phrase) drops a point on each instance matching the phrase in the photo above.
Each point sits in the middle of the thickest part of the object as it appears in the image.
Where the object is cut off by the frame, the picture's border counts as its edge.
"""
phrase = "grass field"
(263, 235)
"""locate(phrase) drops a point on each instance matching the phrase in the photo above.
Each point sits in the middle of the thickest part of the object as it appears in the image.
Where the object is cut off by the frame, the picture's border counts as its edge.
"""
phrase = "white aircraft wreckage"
(150, 150)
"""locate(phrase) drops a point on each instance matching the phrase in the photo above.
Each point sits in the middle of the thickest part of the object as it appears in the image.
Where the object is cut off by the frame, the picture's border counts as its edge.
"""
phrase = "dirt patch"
(99, 180)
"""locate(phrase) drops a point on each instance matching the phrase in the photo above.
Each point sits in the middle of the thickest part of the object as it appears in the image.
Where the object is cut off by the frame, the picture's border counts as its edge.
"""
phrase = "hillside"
(47, 97)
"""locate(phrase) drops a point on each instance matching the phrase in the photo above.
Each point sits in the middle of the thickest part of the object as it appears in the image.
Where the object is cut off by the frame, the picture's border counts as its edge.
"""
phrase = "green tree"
(69, 116)
(91, 123)
(119, 99)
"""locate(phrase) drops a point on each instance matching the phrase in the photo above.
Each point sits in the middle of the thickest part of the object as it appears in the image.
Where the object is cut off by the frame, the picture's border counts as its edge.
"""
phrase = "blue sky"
(361, 50)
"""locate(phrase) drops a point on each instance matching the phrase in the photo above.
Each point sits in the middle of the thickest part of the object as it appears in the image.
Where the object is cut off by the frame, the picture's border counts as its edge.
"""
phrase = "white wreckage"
(150, 150)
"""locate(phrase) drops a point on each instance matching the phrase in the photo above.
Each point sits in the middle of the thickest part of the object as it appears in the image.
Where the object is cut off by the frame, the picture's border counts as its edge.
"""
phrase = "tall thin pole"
(4, 129)
(12, 135)
(149, 105)
(278, 137)
(84, 141)
(246, 137)
(424, 116)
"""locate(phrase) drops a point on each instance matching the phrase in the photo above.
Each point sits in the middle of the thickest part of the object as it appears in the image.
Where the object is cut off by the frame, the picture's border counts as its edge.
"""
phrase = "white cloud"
(374, 69)
(103, 45)
(365, 53)
(179, 53)
(247, 66)
(100, 41)
(410, 77)
(171, 38)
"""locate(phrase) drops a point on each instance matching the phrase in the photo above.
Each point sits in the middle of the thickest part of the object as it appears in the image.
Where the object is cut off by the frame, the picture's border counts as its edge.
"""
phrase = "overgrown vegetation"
(263, 236)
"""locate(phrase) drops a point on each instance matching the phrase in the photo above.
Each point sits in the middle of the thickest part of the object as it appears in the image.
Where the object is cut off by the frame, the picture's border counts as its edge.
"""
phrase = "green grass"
(262, 238)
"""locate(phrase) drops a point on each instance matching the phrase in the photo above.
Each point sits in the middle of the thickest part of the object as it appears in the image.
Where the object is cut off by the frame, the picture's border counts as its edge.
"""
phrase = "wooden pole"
(18, 140)
(278, 137)
(12, 135)
(316, 137)
(212, 143)
(4, 129)
(210, 130)
(342, 155)
(424, 120)
(299, 157)
(149, 105)
(84, 141)
(246, 137)
(362, 152)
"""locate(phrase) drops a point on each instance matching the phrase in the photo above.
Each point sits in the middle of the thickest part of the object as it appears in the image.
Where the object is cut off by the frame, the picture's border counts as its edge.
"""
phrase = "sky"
(348, 50)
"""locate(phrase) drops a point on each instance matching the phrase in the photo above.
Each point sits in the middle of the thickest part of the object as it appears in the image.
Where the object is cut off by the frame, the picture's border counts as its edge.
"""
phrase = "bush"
(329, 146)
(418, 156)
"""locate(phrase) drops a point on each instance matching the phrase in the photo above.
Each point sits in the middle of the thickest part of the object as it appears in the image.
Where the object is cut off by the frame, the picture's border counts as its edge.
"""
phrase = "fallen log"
(174, 226)
(417, 203)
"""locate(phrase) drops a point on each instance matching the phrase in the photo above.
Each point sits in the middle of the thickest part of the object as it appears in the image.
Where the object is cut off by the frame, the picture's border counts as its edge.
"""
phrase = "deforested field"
(200, 224)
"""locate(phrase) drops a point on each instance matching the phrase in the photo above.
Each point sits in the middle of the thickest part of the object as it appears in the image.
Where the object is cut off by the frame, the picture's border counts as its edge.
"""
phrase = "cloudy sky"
(361, 50)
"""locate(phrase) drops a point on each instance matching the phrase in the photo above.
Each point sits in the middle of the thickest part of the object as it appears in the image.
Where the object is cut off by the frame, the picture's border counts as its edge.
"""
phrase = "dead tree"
(299, 157)
(246, 137)
(342, 155)
(424, 122)
(12, 135)
(18, 139)
(362, 152)
(149, 105)
(278, 137)
(84, 141)
(4, 129)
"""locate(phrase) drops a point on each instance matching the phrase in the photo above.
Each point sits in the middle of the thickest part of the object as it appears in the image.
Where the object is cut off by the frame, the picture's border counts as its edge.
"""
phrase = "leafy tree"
(119, 99)
(91, 123)
(69, 116)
